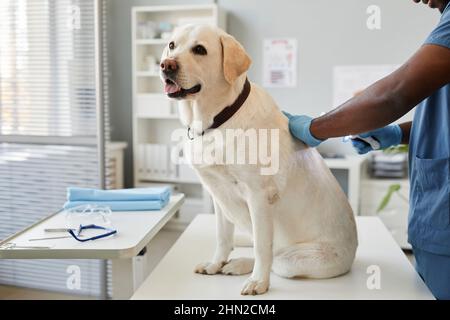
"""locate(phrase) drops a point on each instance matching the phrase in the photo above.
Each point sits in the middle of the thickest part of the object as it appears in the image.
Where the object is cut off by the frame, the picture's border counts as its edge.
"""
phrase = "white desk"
(135, 230)
(174, 278)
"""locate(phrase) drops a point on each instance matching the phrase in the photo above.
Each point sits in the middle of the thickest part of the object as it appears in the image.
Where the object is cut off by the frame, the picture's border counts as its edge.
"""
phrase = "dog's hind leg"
(238, 266)
(312, 260)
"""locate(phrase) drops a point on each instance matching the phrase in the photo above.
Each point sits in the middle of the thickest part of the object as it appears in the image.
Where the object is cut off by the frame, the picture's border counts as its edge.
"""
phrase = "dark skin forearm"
(406, 130)
(390, 98)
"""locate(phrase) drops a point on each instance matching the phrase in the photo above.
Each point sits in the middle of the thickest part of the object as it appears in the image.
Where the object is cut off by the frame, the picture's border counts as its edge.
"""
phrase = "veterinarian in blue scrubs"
(423, 81)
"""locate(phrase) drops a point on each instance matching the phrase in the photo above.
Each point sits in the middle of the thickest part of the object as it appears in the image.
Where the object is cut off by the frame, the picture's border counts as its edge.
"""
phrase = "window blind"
(49, 136)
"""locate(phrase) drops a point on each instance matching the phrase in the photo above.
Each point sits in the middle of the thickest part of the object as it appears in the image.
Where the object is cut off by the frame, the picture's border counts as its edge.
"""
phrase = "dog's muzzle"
(169, 70)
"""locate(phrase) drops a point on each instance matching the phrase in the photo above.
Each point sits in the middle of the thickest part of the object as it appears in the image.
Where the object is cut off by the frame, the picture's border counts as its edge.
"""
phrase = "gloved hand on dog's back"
(388, 136)
(299, 126)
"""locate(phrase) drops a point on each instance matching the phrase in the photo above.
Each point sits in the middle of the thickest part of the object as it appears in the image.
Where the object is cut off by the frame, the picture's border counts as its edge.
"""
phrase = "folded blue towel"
(139, 199)
(122, 205)
(145, 194)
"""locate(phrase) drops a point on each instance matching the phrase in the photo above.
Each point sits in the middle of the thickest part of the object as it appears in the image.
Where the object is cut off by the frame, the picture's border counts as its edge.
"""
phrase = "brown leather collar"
(227, 112)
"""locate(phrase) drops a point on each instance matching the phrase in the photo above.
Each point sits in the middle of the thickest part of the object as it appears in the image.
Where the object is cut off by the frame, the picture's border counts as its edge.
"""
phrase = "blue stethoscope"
(109, 232)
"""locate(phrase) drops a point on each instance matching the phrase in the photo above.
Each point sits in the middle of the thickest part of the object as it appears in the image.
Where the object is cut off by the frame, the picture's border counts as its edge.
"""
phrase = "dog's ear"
(235, 60)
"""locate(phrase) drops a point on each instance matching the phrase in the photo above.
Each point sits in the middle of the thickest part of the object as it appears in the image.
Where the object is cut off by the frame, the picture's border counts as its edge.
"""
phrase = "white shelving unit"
(155, 117)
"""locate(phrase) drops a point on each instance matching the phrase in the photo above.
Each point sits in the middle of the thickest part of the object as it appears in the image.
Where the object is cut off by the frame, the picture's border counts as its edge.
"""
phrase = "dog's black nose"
(169, 66)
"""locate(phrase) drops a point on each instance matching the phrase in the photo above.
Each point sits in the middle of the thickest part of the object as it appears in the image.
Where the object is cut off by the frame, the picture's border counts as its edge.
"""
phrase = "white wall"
(329, 33)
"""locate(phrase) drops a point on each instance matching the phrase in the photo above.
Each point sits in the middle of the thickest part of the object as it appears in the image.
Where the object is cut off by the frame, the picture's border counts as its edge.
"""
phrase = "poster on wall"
(349, 81)
(280, 63)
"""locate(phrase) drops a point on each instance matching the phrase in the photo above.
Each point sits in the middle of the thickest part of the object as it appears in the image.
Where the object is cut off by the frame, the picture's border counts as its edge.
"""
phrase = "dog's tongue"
(171, 88)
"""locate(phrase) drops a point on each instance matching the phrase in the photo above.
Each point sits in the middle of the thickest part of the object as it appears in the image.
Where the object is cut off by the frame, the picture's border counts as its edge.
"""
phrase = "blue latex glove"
(299, 128)
(387, 136)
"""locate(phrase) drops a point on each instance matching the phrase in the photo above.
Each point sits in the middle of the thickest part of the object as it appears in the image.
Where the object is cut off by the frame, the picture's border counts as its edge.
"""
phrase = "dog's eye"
(171, 45)
(199, 49)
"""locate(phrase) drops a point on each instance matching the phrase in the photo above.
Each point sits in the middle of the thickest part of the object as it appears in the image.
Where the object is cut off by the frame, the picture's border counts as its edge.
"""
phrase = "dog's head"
(201, 59)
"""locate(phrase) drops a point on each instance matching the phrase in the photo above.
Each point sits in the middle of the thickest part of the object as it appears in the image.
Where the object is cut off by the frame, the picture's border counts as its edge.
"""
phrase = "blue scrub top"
(429, 160)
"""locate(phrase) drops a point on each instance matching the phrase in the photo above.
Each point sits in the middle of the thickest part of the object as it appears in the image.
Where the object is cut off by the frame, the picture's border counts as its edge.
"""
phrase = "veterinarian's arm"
(390, 98)
(382, 103)
(406, 130)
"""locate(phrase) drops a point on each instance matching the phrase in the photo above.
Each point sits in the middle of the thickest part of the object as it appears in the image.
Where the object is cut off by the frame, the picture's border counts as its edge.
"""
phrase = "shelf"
(159, 42)
(116, 146)
(172, 117)
(147, 74)
(163, 8)
(152, 95)
(344, 163)
(384, 181)
(170, 180)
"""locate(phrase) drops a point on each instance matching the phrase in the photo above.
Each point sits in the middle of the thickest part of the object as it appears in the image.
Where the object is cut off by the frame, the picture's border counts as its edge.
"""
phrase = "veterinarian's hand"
(387, 136)
(299, 128)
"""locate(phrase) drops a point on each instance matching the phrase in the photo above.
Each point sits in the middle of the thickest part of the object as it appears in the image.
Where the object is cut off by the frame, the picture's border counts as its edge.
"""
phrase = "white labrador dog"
(300, 220)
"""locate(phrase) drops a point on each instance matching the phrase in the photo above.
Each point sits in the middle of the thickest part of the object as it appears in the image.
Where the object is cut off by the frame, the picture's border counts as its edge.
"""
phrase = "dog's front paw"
(208, 268)
(254, 287)
(238, 266)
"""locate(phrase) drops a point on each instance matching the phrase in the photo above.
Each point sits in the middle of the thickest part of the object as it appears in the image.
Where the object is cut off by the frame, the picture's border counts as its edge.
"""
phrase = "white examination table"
(135, 230)
(174, 278)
